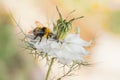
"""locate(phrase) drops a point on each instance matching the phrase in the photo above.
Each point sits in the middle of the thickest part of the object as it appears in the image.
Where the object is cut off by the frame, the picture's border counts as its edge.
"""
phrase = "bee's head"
(36, 30)
(53, 36)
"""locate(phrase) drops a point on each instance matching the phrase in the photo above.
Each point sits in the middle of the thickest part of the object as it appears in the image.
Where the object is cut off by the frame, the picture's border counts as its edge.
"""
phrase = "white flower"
(72, 48)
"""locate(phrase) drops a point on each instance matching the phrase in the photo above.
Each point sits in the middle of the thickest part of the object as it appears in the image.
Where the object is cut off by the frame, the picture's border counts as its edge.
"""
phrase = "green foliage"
(7, 46)
(114, 22)
(14, 65)
(62, 27)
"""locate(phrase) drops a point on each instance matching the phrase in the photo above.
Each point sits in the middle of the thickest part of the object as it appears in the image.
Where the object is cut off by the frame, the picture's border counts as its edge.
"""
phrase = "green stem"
(49, 69)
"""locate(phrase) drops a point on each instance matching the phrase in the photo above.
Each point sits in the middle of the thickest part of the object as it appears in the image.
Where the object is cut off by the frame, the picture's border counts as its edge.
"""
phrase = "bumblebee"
(41, 31)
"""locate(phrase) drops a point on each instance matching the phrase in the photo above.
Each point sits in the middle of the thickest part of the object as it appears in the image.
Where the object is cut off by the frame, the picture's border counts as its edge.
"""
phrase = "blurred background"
(100, 24)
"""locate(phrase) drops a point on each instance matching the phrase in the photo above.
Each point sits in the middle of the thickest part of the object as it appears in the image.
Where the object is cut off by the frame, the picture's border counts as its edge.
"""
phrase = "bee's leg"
(47, 38)
(40, 39)
(61, 42)
(35, 37)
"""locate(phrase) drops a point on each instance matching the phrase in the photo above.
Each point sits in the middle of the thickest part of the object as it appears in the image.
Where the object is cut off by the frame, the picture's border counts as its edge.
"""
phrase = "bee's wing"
(38, 24)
